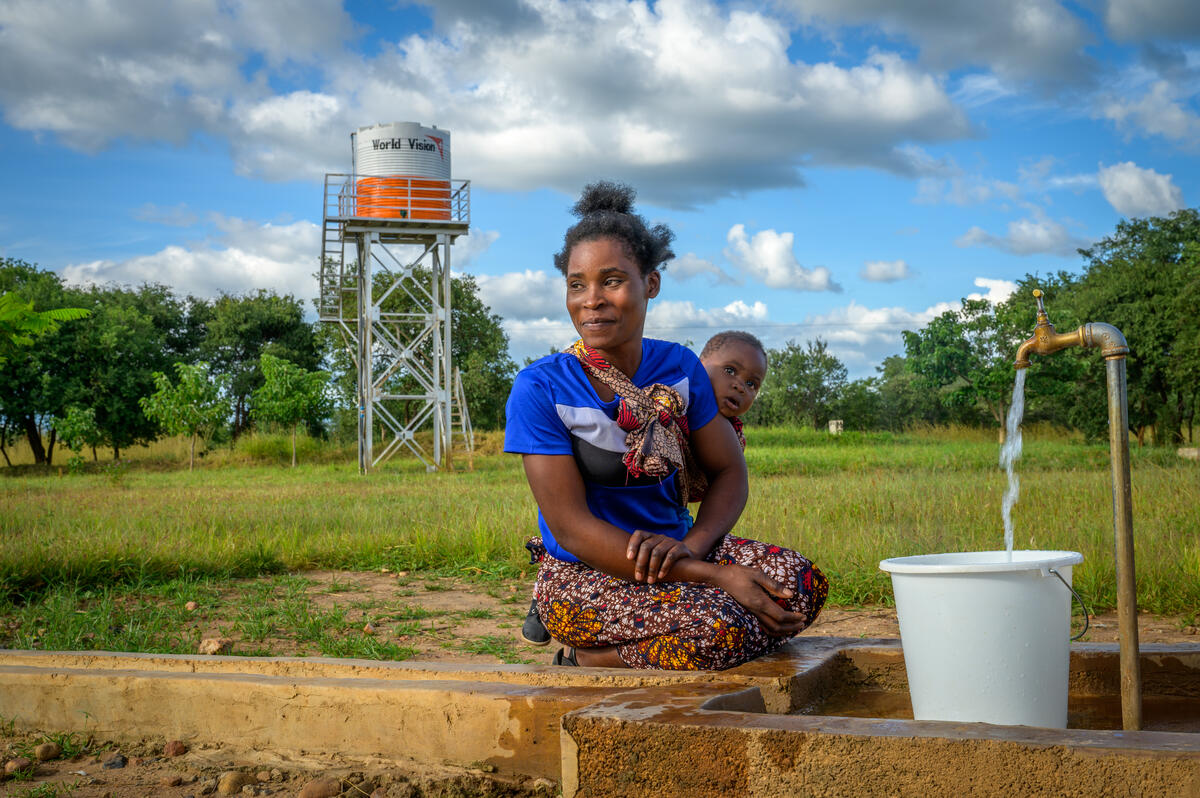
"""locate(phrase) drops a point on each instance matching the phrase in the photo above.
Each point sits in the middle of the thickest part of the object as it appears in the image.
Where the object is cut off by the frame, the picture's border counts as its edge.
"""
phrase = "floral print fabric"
(672, 625)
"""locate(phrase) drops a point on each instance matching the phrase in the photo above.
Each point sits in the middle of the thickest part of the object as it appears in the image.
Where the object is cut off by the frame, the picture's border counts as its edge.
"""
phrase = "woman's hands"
(753, 589)
(653, 555)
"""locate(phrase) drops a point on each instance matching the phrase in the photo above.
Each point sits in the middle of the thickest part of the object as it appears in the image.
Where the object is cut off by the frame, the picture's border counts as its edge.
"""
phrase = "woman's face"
(607, 294)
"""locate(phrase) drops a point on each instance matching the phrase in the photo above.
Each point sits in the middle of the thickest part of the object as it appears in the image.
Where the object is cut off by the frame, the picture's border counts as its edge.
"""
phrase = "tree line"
(88, 362)
(1144, 279)
(110, 367)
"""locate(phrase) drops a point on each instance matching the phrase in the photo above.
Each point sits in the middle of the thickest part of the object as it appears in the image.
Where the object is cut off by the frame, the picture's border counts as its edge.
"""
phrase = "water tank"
(403, 171)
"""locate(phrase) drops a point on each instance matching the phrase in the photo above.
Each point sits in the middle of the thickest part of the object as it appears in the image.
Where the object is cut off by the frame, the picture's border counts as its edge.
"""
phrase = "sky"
(833, 169)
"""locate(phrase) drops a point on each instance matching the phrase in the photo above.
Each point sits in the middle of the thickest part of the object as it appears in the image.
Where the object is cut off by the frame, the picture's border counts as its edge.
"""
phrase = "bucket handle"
(1086, 612)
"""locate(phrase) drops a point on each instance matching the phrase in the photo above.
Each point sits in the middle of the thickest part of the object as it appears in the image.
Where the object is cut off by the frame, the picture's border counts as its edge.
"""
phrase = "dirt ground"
(437, 619)
(507, 602)
(146, 771)
(455, 620)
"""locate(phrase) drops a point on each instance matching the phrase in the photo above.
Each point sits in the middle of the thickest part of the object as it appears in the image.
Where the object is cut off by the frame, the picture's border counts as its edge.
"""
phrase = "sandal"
(563, 658)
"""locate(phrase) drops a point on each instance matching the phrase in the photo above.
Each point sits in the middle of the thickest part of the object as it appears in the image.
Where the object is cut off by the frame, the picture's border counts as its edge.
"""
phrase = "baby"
(736, 364)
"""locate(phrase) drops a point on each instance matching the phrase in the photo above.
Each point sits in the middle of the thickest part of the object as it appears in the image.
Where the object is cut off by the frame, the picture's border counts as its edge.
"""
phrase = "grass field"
(69, 539)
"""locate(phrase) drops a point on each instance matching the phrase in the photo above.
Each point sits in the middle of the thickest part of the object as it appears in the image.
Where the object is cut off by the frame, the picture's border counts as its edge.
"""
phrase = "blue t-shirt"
(553, 409)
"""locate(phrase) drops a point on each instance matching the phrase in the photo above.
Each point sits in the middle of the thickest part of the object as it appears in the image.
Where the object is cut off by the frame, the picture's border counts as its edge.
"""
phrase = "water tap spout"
(1046, 339)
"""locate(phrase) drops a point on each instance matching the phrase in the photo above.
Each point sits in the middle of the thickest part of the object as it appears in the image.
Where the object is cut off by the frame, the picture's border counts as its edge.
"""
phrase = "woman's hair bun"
(604, 195)
(605, 210)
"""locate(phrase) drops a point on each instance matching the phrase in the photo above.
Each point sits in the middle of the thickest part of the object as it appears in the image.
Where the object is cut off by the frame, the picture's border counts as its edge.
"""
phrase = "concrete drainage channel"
(825, 715)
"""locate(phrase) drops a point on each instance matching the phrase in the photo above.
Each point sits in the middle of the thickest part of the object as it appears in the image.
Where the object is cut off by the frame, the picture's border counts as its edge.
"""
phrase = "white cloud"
(470, 248)
(679, 320)
(1034, 40)
(527, 296)
(1133, 191)
(1159, 112)
(244, 256)
(1029, 236)
(1037, 176)
(860, 336)
(93, 71)
(1135, 20)
(768, 258)
(885, 271)
(532, 338)
(686, 98)
(997, 290)
(980, 89)
(963, 190)
(690, 265)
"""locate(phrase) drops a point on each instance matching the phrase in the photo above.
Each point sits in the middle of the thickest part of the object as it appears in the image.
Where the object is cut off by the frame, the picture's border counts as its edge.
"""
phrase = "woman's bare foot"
(604, 657)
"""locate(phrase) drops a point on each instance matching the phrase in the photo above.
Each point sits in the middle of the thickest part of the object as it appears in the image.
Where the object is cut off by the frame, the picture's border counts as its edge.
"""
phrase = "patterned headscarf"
(655, 424)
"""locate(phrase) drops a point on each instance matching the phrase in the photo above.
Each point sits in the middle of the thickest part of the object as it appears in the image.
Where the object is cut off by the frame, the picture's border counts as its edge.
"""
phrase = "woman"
(616, 434)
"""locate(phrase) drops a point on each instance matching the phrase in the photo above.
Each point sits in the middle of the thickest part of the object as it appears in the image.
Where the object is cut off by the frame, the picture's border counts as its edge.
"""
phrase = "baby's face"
(736, 371)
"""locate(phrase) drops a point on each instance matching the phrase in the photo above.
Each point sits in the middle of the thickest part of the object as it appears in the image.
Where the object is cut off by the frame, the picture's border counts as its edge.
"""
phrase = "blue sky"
(842, 169)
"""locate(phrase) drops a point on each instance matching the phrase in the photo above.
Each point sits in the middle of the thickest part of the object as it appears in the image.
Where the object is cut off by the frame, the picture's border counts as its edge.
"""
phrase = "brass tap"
(1046, 340)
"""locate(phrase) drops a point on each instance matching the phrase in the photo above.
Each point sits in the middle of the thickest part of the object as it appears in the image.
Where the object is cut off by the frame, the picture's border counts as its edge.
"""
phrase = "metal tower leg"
(447, 373)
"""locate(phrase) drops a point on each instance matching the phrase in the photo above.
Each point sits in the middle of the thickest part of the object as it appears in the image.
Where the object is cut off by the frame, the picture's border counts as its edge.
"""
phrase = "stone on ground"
(175, 748)
(231, 782)
(15, 764)
(113, 760)
(324, 787)
(215, 645)
(47, 751)
(172, 780)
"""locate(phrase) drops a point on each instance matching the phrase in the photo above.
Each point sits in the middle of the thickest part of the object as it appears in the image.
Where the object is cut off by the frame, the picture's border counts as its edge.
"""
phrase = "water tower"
(385, 283)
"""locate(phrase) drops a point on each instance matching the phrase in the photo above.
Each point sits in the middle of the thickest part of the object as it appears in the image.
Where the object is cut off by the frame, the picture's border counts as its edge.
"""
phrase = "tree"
(903, 398)
(242, 328)
(1143, 280)
(859, 404)
(33, 386)
(110, 360)
(290, 395)
(194, 406)
(1184, 370)
(78, 429)
(968, 355)
(802, 385)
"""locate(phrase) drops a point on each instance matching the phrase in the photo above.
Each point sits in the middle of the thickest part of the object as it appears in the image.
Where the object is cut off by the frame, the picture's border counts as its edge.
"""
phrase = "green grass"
(47, 790)
(503, 648)
(77, 547)
(277, 613)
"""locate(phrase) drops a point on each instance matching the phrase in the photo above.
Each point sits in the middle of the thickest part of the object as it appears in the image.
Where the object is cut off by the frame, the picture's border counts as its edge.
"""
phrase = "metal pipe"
(1111, 343)
(1122, 496)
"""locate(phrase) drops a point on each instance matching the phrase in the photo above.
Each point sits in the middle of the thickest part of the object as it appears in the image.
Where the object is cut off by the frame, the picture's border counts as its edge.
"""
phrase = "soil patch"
(91, 769)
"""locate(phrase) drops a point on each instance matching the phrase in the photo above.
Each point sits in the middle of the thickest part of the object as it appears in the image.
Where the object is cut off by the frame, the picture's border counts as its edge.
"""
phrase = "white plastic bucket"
(986, 639)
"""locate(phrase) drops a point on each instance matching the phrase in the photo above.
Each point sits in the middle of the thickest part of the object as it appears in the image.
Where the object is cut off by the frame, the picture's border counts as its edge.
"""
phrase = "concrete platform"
(601, 732)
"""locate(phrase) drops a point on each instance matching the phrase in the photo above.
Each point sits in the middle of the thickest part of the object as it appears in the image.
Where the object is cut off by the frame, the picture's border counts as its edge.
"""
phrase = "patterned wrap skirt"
(672, 625)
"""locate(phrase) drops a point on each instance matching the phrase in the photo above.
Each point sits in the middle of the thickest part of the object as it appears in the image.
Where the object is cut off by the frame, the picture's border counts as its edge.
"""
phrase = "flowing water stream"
(1010, 453)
